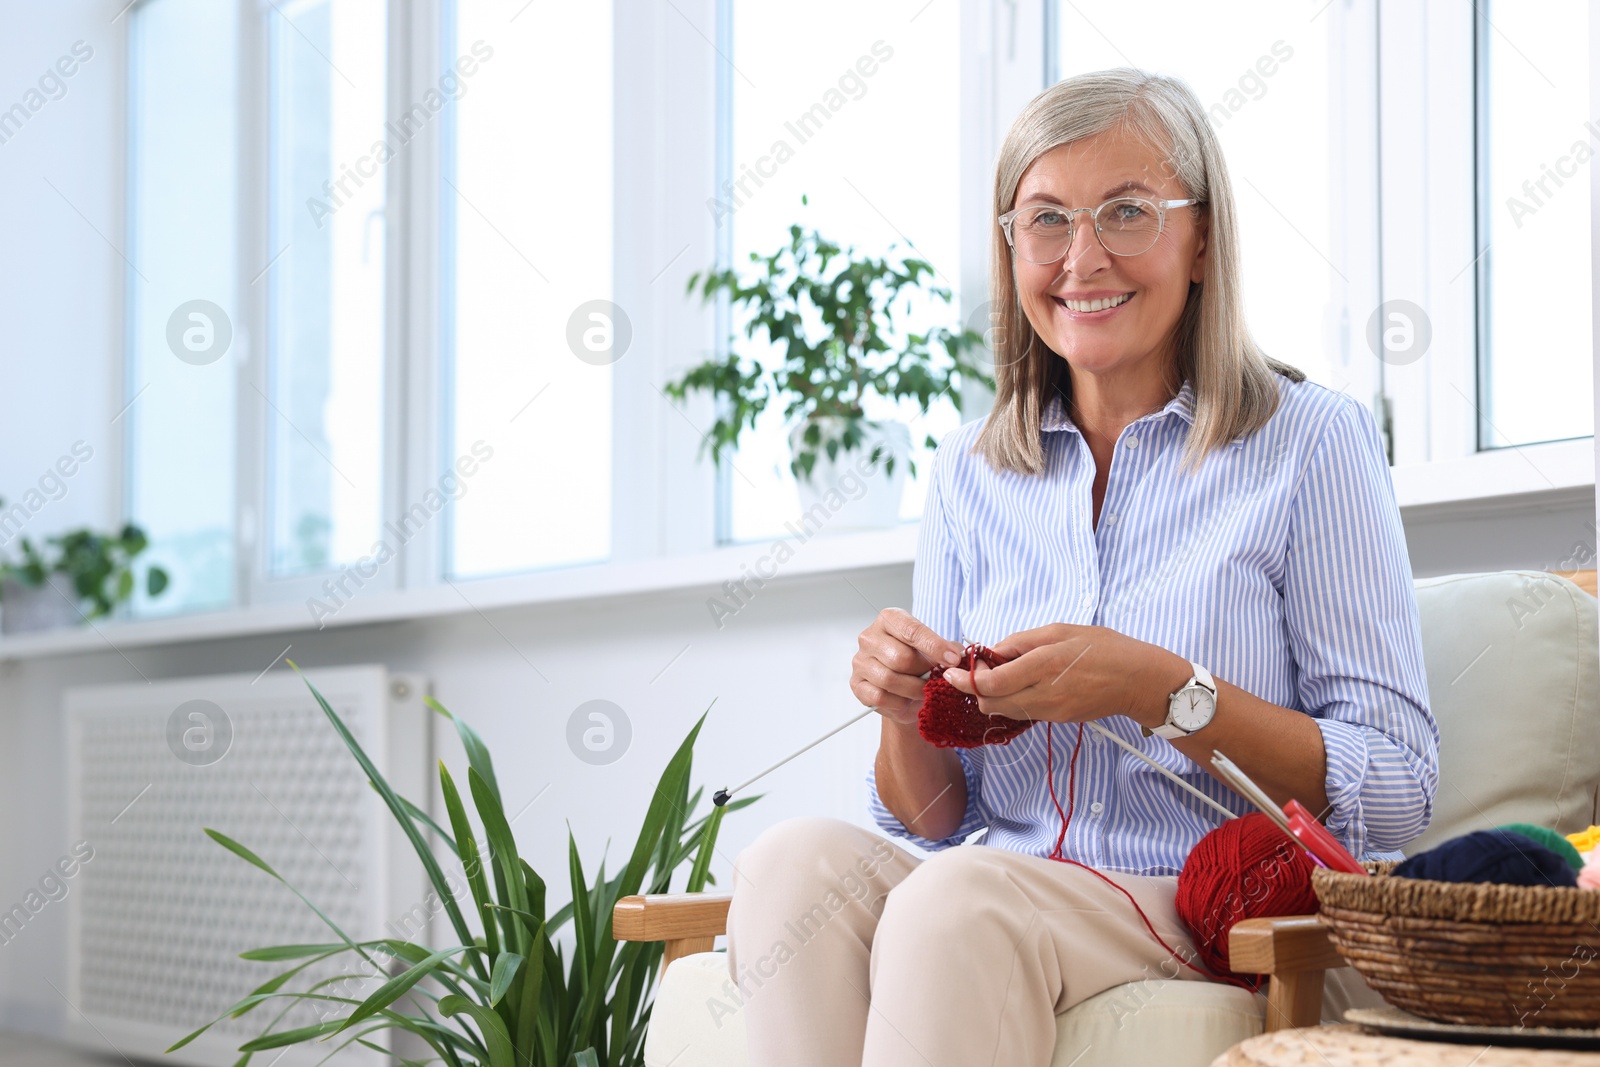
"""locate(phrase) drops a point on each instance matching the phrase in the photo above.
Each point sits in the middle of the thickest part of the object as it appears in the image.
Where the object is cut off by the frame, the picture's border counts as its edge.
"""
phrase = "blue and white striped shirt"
(1280, 565)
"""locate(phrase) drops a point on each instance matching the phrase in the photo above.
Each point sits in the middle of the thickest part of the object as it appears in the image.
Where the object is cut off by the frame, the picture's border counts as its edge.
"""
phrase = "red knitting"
(950, 718)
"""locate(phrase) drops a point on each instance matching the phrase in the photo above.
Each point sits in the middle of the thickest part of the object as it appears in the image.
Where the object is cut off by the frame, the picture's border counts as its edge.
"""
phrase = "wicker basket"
(1476, 954)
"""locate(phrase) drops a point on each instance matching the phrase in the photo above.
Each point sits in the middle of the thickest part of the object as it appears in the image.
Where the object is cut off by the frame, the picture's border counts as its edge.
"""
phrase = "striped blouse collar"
(1056, 417)
(1055, 414)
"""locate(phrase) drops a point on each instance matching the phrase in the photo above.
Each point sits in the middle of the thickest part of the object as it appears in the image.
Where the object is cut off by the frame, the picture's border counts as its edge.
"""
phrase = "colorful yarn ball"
(1589, 876)
(1585, 840)
(950, 718)
(1551, 840)
(1498, 856)
(1245, 868)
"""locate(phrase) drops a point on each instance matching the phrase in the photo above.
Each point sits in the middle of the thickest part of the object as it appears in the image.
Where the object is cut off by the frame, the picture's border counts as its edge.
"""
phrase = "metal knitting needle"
(1250, 791)
(723, 795)
(1108, 735)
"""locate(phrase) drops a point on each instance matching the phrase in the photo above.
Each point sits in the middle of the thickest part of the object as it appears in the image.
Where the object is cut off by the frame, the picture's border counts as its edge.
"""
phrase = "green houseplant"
(82, 566)
(832, 313)
(506, 996)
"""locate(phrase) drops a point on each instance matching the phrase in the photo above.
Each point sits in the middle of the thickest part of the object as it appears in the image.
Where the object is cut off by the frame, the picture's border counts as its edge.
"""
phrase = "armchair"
(1520, 741)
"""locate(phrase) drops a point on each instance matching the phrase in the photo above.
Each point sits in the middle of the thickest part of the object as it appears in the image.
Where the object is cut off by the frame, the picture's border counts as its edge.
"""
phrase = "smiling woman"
(1137, 429)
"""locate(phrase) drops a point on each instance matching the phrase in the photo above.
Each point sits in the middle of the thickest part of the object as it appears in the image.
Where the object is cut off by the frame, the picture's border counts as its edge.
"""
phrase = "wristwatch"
(1190, 708)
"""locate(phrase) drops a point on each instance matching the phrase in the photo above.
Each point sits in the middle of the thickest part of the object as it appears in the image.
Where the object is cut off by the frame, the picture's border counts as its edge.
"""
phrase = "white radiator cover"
(157, 918)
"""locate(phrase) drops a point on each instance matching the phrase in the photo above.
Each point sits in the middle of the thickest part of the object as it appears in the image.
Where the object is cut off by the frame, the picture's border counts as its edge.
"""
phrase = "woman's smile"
(1096, 306)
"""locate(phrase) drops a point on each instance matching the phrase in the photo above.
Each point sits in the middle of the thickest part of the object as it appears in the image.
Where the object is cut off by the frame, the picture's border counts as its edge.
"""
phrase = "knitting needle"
(1108, 735)
(723, 795)
(1251, 792)
(1103, 732)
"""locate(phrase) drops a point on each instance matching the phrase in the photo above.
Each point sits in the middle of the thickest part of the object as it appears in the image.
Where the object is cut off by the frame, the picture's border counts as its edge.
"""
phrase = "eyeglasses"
(1124, 226)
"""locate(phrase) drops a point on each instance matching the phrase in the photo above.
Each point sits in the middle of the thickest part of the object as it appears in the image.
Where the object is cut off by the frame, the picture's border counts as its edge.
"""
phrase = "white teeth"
(1097, 305)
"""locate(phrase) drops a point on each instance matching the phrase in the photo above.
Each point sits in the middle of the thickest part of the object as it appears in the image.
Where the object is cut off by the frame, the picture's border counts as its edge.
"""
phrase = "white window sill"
(706, 571)
(1498, 481)
(1505, 480)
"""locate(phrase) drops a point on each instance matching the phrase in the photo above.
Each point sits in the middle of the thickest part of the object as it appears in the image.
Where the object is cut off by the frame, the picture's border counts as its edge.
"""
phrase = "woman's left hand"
(1069, 673)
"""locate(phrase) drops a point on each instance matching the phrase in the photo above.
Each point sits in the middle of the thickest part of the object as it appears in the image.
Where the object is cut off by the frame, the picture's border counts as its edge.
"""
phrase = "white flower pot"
(847, 493)
(27, 609)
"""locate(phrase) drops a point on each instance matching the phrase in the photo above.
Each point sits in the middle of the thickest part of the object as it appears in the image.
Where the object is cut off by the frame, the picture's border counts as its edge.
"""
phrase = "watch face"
(1193, 707)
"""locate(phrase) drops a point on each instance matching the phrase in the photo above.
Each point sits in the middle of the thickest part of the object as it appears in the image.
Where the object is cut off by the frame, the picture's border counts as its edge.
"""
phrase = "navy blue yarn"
(1499, 856)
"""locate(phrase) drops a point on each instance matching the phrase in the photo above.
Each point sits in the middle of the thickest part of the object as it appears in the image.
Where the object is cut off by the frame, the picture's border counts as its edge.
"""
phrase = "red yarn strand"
(950, 718)
(1056, 853)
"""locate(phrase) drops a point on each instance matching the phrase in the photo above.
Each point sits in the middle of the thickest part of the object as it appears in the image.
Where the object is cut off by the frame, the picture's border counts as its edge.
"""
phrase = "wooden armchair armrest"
(1296, 951)
(687, 922)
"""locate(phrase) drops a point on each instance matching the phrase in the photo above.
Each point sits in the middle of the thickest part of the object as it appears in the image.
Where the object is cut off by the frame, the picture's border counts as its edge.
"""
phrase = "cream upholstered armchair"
(1513, 662)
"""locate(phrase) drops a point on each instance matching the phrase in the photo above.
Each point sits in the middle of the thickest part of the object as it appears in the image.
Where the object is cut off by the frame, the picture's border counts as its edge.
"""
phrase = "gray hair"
(1234, 388)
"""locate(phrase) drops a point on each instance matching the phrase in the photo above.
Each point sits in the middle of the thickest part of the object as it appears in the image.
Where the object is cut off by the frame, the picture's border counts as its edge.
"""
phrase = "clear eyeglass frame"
(1161, 208)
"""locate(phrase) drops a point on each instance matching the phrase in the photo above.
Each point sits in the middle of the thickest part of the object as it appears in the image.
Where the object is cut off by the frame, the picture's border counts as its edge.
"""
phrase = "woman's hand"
(895, 651)
(1070, 673)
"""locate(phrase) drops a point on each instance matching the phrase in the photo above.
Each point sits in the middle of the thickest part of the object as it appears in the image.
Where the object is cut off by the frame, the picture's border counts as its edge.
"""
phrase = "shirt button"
(1088, 600)
(1111, 520)
(1132, 441)
(1097, 807)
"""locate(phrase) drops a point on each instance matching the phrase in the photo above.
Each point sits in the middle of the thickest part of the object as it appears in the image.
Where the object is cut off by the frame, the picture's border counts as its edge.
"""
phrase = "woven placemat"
(1346, 1045)
(1396, 1022)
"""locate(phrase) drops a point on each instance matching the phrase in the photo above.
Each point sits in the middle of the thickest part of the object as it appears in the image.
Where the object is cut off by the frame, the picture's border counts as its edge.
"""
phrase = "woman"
(1163, 531)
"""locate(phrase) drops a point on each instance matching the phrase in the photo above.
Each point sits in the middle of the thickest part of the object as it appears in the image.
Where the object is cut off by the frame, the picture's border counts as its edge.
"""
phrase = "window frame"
(1431, 77)
(256, 582)
(671, 509)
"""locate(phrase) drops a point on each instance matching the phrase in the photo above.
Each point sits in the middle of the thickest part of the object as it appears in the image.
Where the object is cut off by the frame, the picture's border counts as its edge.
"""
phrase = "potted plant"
(501, 995)
(79, 575)
(832, 313)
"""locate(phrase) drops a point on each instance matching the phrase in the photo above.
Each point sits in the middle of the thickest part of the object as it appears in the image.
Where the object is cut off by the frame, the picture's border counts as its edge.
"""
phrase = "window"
(876, 157)
(1263, 75)
(1535, 276)
(182, 295)
(363, 285)
(529, 332)
(325, 283)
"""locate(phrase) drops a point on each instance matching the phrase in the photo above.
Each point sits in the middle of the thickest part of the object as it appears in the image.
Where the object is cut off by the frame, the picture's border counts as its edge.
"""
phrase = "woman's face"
(1132, 337)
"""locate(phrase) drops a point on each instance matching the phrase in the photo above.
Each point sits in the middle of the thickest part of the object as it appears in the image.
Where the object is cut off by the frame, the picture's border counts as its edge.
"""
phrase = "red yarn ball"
(1246, 868)
(950, 718)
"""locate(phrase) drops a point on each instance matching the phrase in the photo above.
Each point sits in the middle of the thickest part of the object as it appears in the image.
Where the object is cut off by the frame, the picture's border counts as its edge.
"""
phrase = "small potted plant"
(832, 314)
(79, 575)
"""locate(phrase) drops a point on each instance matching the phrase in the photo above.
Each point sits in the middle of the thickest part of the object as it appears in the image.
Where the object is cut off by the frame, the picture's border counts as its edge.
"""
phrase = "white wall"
(778, 671)
(60, 285)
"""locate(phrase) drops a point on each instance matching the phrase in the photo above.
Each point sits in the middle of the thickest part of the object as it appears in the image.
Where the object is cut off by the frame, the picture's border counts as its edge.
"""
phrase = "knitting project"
(950, 718)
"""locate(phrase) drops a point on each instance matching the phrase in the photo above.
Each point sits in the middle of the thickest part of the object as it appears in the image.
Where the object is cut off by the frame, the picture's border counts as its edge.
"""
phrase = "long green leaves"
(425, 854)
(511, 997)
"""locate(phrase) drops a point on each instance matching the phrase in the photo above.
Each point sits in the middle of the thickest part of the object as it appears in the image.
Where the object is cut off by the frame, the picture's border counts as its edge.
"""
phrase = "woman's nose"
(1085, 243)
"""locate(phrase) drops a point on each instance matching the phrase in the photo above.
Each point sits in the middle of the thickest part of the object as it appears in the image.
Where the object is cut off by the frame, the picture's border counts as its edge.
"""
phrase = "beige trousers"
(850, 950)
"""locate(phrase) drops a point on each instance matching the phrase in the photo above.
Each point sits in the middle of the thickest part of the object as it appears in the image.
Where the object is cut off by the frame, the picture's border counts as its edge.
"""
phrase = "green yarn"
(1551, 840)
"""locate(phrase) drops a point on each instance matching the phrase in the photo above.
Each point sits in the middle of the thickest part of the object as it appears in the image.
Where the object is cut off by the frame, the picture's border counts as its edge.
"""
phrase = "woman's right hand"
(895, 652)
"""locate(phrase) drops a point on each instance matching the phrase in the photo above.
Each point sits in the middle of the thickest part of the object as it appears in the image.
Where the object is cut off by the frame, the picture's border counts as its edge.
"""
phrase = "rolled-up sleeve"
(935, 602)
(1351, 611)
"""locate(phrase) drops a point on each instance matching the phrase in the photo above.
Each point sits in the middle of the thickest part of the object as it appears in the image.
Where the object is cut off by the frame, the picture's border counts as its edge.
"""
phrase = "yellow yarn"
(1585, 840)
